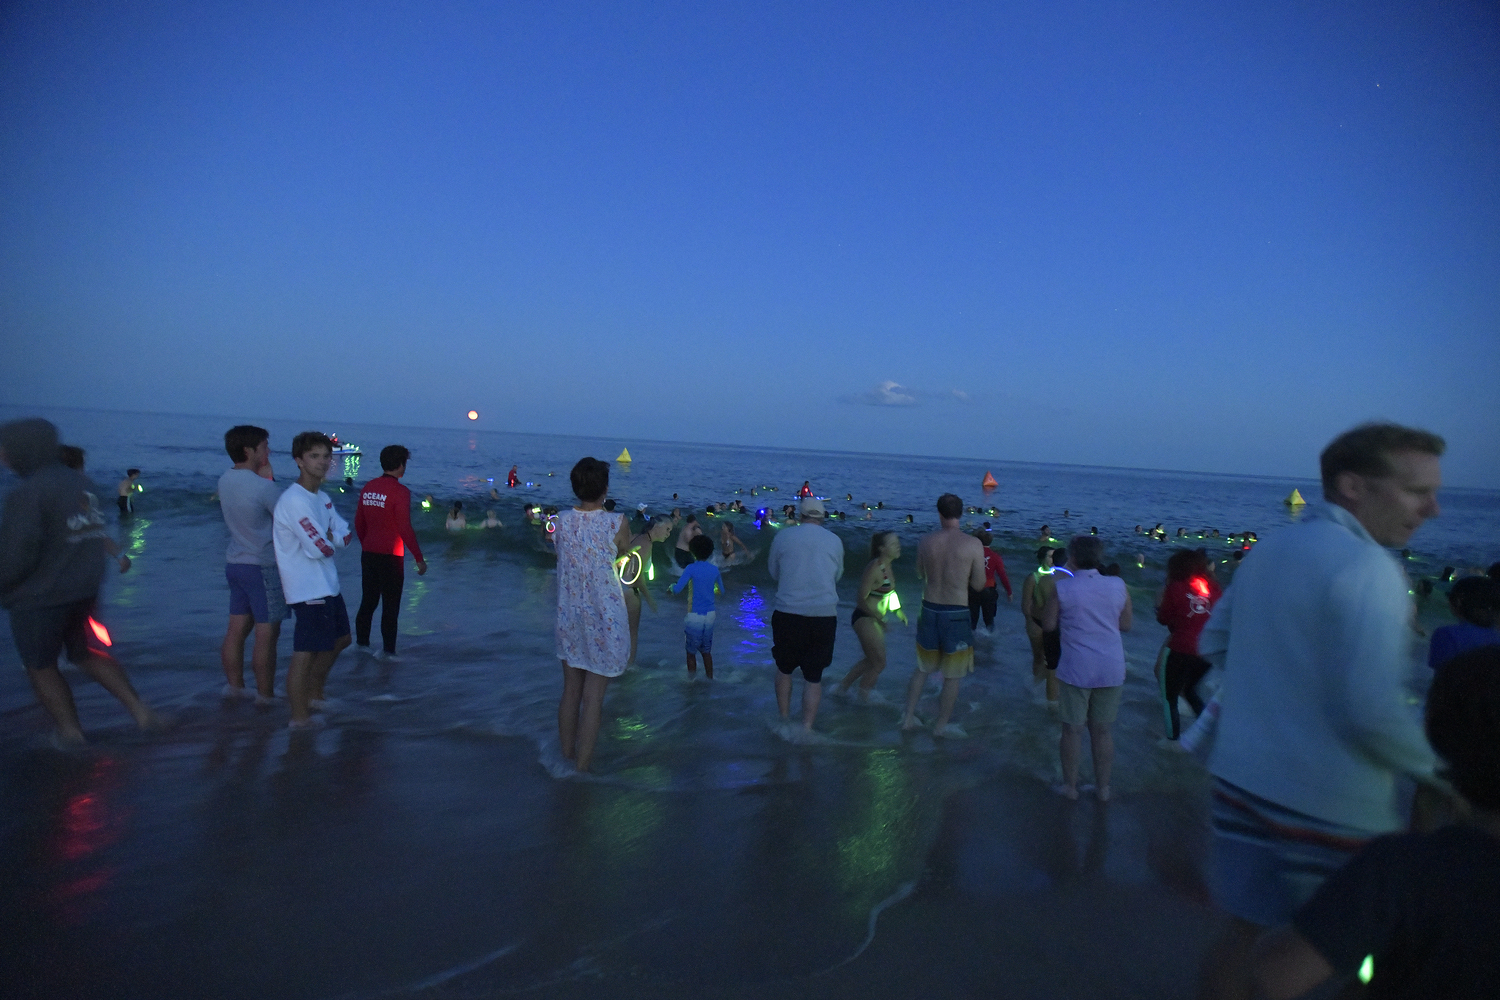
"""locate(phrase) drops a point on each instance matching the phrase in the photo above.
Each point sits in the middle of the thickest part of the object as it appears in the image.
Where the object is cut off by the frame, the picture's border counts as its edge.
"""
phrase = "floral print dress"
(593, 632)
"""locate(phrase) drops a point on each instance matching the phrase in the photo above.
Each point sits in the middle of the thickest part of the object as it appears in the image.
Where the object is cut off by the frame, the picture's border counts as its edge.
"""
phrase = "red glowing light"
(100, 632)
(1199, 586)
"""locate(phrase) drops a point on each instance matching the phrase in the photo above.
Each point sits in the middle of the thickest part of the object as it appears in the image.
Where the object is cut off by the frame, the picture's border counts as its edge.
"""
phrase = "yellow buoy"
(624, 458)
(1295, 499)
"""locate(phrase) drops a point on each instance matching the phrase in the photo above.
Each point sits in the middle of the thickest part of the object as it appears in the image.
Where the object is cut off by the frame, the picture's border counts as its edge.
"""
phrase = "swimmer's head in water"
(702, 547)
(590, 479)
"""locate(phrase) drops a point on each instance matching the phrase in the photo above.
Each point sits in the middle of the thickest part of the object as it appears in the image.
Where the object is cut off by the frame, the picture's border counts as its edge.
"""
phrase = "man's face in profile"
(1393, 507)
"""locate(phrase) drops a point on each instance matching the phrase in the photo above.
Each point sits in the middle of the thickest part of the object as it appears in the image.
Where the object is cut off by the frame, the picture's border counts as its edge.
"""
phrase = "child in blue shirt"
(699, 623)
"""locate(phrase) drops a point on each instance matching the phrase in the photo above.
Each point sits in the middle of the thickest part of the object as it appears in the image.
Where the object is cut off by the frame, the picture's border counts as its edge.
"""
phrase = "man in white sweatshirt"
(307, 534)
(1316, 737)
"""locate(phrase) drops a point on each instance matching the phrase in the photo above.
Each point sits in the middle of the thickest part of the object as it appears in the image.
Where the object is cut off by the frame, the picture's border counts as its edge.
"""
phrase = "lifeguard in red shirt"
(987, 600)
(512, 479)
(383, 523)
(806, 490)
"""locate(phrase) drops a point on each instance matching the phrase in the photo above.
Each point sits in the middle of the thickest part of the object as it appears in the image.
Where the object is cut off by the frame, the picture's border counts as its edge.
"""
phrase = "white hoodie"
(307, 533)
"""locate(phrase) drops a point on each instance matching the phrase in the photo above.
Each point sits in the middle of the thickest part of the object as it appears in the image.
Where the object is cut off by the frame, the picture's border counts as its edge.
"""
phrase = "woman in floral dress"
(593, 631)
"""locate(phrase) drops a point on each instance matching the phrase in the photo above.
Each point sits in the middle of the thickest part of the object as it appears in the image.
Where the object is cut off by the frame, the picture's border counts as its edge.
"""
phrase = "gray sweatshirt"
(52, 533)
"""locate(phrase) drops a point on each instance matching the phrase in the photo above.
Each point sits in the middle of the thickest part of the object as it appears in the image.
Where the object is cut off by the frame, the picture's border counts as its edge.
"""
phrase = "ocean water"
(469, 713)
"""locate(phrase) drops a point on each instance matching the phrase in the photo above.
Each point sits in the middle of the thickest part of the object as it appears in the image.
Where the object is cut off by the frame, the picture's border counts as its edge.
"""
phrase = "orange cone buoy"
(990, 482)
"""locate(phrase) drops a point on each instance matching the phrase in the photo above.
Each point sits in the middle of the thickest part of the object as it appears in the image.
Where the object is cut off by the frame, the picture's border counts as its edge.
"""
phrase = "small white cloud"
(887, 393)
(960, 395)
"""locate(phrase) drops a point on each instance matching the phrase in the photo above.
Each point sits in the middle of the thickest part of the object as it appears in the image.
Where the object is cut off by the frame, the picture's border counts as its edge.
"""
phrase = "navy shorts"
(42, 634)
(256, 590)
(320, 623)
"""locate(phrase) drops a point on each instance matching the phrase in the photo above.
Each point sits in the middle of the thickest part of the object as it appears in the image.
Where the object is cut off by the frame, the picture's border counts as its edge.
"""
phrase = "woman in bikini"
(877, 590)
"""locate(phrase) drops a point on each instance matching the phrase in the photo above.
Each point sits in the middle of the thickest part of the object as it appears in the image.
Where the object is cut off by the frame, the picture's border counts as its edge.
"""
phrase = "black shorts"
(43, 633)
(802, 641)
(1052, 647)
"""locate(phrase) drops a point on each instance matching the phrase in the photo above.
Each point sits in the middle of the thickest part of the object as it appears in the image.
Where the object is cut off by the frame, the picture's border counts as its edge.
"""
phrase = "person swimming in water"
(456, 520)
(491, 521)
(727, 541)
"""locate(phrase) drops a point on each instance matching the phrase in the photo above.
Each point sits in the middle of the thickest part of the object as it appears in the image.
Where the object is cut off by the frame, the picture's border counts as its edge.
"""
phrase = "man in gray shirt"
(806, 562)
(247, 497)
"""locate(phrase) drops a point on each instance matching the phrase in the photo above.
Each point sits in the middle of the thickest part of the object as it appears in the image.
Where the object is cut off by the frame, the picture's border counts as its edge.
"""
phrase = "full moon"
(473, 414)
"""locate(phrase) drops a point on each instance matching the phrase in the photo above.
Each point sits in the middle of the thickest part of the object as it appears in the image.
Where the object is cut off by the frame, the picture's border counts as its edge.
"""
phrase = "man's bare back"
(950, 562)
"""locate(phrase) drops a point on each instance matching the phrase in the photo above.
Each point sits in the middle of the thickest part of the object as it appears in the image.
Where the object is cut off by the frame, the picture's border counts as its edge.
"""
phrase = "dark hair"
(71, 456)
(1476, 600)
(877, 542)
(985, 538)
(392, 457)
(1367, 450)
(458, 505)
(1187, 563)
(609, 504)
(1463, 723)
(132, 472)
(702, 547)
(950, 507)
(1113, 569)
(1043, 552)
(1058, 550)
(241, 439)
(691, 519)
(1494, 571)
(590, 478)
(310, 439)
(1086, 551)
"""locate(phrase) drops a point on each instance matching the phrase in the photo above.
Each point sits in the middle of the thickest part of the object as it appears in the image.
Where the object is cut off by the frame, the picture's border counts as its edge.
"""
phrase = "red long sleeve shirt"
(1185, 607)
(994, 568)
(383, 518)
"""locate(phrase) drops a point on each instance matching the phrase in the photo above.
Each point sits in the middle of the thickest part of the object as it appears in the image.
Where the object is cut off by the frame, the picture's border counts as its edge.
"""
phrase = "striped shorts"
(1268, 860)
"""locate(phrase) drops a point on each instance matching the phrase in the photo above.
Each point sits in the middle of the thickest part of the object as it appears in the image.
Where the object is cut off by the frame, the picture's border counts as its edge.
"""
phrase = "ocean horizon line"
(1295, 480)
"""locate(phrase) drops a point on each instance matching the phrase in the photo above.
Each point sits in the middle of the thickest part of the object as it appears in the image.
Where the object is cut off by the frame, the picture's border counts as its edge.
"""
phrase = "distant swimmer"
(494, 493)
(491, 521)
(909, 519)
(682, 553)
(127, 490)
(875, 597)
(456, 520)
(1045, 535)
(512, 479)
(849, 496)
(806, 490)
(950, 563)
(1094, 531)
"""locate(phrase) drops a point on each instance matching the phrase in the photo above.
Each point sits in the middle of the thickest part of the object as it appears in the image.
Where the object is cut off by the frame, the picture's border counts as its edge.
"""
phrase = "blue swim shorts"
(320, 623)
(700, 632)
(256, 590)
(945, 640)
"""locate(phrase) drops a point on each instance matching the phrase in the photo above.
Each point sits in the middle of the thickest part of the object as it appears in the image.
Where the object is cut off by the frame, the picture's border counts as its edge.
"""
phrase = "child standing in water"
(593, 632)
(703, 576)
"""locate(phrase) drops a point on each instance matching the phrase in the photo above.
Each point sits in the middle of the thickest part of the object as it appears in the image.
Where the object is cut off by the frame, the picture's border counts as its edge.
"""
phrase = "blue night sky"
(1140, 234)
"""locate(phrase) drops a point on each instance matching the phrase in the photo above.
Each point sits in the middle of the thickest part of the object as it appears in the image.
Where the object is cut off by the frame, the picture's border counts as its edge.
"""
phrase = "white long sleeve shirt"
(307, 533)
(1315, 639)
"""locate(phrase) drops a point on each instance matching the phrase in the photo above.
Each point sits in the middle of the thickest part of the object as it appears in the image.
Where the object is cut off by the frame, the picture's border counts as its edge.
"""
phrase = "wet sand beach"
(232, 859)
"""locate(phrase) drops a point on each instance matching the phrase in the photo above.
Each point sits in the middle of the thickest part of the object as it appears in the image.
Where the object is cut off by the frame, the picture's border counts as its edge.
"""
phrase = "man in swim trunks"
(950, 563)
(690, 530)
(127, 489)
(247, 500)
